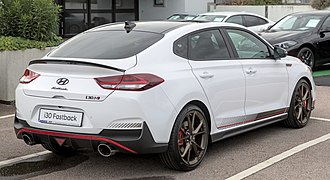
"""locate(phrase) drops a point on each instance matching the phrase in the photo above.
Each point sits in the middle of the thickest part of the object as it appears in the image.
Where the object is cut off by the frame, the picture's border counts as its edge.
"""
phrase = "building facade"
(80, 15)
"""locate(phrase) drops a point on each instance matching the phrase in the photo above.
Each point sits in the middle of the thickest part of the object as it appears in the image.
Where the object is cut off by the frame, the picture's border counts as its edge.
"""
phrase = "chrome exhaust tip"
(28, 140)
(105, 150)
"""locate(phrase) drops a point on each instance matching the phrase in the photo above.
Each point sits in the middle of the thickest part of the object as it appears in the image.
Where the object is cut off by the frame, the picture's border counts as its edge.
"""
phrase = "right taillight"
(130, 82)
(28, 76)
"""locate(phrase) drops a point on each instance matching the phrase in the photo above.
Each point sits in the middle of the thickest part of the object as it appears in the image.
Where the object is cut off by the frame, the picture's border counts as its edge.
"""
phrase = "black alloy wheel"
(189, 140)
(301, 106)
(306, 55)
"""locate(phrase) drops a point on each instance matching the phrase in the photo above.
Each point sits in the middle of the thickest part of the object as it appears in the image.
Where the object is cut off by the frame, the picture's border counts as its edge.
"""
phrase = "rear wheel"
(188, 141)
(300, 106)
(60, 150)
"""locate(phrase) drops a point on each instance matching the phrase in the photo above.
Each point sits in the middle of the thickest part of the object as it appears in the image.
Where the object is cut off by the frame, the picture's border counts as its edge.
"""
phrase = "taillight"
(130, 82)
(28, 76)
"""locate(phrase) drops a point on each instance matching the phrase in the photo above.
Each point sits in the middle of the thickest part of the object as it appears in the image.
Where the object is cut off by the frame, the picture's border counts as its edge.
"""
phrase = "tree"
(320, 4)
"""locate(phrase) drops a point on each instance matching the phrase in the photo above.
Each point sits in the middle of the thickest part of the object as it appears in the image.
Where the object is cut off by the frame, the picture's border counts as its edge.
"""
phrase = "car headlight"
(286, 44)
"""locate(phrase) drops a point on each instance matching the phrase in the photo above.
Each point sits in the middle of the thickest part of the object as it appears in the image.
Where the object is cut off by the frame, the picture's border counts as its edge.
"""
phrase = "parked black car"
(305, 35)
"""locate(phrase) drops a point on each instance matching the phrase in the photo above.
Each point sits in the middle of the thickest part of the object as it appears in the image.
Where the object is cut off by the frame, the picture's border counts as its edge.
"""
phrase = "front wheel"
(300, 106)
(306, 55)
(189, 140)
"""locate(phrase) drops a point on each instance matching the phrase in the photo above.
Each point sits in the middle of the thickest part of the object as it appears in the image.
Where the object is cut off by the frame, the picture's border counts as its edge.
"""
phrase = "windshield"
(107, 45)
(216, 18)
(297, 23)
(180, 17)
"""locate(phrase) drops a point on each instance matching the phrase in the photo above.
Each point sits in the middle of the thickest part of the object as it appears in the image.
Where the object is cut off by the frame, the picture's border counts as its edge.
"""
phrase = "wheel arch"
(307, 80)
(307, 45)
(205, 110)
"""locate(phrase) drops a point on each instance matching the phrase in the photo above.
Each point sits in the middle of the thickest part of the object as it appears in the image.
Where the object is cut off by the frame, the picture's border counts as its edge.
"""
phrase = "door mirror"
(269, 27)
(279, 52)
(323, 31)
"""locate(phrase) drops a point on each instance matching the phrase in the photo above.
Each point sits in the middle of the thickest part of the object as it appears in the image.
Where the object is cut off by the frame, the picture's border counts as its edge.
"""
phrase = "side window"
(180, 47)
(207, 45)
(254, 21)
(326, 24)
(247, 45)
(236, 20)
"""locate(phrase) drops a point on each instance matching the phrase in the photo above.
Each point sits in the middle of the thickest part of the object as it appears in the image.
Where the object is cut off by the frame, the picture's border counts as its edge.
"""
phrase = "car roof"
(231, 13)
(324, 12)
(147, 26)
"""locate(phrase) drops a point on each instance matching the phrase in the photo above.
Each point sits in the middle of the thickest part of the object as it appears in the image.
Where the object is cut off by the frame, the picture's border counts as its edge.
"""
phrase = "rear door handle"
(206, 75)
(251, 70)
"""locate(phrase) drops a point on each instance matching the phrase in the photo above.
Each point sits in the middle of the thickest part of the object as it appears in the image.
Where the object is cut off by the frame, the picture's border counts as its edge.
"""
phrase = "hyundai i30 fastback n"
(159, 87)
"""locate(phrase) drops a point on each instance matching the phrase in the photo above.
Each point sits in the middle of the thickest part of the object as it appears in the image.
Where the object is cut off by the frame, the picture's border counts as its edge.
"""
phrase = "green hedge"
(17, 43)
(28, 24)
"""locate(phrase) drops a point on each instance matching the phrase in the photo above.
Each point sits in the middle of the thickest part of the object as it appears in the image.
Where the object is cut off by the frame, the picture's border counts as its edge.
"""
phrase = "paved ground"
(223, 160)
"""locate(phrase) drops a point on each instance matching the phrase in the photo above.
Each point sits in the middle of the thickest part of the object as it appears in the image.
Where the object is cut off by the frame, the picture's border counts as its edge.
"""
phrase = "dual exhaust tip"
(28, 139)
(103, 149)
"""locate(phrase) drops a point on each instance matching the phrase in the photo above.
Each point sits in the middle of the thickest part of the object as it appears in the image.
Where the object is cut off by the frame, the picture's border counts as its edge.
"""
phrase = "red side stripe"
(256, 119)
(74, 136)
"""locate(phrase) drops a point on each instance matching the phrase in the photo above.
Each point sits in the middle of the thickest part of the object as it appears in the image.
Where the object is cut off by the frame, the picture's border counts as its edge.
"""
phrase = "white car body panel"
(266, 85)
(223, 82)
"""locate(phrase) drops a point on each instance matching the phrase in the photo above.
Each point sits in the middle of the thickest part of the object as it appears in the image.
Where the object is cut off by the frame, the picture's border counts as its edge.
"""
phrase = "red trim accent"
(255, 119)
(74, 136)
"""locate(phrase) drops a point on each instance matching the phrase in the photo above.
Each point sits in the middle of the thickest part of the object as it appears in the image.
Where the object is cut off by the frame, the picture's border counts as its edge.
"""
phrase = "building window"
(159, 3)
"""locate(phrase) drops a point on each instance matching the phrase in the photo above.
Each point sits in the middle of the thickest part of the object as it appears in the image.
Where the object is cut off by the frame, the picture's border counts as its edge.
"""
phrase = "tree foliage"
(252, 2)
(320, 4)
(30, 19)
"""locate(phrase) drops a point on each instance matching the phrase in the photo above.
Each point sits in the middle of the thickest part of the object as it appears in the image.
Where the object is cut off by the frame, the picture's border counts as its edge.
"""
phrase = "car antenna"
(129, 26)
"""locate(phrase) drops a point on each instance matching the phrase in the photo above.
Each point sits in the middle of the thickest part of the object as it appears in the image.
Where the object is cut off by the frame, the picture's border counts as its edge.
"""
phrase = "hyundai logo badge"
(62, 81)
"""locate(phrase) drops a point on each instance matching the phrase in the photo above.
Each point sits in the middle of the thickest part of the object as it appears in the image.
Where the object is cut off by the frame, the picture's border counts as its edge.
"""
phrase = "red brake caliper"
(181, 133)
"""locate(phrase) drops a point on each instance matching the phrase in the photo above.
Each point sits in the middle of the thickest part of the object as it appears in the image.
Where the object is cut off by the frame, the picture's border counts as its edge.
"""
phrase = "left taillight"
(28, 76)
(130, 82)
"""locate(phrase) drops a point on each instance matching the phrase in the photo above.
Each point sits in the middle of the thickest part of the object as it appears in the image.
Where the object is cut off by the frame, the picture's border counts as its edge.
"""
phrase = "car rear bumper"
(138, 141)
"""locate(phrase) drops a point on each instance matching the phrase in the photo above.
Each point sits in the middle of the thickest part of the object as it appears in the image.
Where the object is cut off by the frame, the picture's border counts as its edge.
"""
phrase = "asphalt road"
(223, 160)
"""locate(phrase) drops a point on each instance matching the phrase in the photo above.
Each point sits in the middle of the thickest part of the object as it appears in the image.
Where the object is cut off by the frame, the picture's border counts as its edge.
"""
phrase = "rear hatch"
(74, 79)
(69, 71)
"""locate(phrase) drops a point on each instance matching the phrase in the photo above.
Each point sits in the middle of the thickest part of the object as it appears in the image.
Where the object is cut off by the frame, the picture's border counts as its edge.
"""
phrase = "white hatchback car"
(252, 21)
(159, 87)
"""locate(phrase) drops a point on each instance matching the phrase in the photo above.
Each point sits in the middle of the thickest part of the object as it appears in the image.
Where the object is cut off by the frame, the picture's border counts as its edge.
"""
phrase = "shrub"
(320, 4)
(9, 43)
(31, 19)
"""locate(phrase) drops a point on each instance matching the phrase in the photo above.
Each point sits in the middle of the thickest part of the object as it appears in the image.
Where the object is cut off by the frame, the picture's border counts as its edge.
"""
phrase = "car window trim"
(269, 47)
(244, 16)
(231, 53)
(243, 20)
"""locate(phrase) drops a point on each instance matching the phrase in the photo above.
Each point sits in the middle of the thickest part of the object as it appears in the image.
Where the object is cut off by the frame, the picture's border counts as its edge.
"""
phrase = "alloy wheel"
(303, 103)
(306, 56)
(192, 138)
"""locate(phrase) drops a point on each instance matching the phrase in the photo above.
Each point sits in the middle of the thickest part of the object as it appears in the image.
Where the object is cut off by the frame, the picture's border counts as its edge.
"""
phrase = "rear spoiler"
(52, 61)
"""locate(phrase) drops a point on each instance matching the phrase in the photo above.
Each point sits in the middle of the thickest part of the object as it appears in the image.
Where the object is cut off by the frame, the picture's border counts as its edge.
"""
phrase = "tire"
(59, 150)
(186, 150)
(300, 106)
(306, 55)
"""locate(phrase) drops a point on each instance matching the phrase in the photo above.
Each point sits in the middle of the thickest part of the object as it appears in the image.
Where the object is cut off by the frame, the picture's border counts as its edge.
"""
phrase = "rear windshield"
(107, 45)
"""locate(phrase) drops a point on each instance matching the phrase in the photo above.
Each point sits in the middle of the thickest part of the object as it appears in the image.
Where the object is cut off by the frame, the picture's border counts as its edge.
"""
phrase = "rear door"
(220, 76)
(266, 78)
